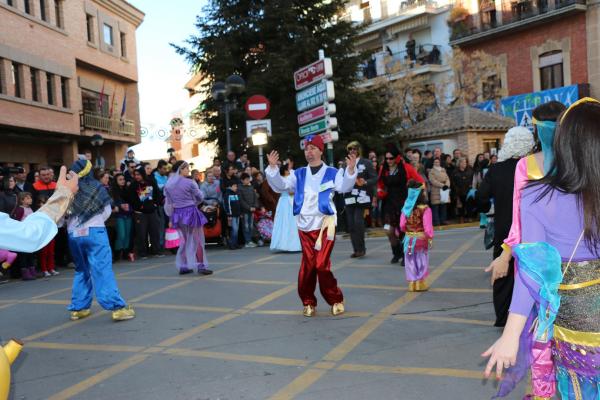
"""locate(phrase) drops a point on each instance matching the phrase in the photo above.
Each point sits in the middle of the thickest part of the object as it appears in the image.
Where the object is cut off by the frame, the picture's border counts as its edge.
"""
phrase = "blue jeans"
(438, 213)
(93, 269)
(247, 226)
(235, 227)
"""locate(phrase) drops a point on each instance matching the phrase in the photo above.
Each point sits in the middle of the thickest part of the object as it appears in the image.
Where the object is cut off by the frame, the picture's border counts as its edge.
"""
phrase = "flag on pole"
(112, 103)
(101, 103)
(124, 107)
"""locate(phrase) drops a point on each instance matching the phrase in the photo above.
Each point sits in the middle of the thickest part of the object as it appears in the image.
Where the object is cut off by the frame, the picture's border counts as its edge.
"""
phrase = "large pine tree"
(265, 41)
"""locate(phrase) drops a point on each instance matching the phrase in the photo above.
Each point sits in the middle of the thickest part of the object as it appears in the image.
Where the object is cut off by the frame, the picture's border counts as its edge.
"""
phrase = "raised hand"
(273, 158)
(69, 181)
(351, 163)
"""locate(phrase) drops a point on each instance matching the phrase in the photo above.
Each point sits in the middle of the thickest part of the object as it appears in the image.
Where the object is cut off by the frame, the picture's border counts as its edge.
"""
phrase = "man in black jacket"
(359, 199)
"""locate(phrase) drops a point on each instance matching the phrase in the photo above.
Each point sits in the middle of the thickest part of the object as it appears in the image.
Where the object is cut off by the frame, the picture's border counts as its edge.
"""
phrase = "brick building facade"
(66, 70)
(539, 45)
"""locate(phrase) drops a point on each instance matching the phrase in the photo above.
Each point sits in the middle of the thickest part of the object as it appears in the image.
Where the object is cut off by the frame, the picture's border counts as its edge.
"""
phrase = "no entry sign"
(257, 106)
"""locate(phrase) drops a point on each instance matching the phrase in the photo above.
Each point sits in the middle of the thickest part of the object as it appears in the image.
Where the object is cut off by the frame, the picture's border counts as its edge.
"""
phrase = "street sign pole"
(329, 145)
(261, 162)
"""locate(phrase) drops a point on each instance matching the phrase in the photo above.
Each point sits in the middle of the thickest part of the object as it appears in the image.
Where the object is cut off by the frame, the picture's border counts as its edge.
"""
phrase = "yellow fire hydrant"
(8, 354)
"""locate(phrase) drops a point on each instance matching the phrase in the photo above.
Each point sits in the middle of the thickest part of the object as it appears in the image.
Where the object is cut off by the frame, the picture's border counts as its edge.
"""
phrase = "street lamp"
(97, 141)
(226, 94)
(260, 138)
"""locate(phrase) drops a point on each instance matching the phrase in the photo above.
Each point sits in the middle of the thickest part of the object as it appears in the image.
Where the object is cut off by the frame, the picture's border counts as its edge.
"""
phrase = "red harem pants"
(317, 264)
(47, 257)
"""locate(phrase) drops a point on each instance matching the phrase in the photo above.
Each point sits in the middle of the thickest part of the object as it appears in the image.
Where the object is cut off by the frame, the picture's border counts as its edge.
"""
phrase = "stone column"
(43, 88)
(57, 91)
(6, 78)
(25, 74)
(593, 47)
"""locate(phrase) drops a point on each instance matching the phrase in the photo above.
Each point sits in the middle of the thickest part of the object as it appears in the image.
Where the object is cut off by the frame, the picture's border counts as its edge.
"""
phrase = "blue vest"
(324, 199)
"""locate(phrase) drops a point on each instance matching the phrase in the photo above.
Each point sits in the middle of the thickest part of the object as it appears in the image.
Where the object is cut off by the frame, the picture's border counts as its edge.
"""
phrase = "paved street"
(239, 334)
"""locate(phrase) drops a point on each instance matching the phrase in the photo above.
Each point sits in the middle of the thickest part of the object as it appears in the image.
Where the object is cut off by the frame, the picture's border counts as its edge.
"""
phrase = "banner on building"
(521, 106)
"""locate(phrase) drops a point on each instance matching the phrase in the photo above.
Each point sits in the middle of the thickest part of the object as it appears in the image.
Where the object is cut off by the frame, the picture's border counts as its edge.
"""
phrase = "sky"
(162, 72)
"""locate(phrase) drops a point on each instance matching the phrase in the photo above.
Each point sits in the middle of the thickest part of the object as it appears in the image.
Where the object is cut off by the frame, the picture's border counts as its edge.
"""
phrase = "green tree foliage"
(265, 41)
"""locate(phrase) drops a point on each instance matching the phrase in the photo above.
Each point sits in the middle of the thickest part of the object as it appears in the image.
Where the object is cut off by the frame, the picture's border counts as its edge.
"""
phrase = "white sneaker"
(54, 272)
(250, 245)
(47, 274)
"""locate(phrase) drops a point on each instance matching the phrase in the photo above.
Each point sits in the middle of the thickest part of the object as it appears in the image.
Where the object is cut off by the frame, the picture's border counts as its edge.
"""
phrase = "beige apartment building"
(66, 70)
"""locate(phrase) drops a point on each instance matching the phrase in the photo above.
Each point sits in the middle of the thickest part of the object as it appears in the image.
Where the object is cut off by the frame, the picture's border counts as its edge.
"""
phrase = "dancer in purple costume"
(182, 197)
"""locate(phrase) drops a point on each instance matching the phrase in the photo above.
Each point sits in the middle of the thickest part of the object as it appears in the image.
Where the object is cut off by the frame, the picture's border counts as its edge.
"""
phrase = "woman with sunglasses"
(392, 189)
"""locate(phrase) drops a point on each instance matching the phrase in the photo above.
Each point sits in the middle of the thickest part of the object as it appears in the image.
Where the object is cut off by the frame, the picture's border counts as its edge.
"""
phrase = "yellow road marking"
(324, 365)
(117, 368)
(85, 347)
(177, 307)
(251, 281)
(49, 301)
(146, 268)
(298, 385)
(460, 290)
(310, 376)
(161, 290)
(196, 330)
(446, 372)
(444, 319)
(60, 327)
(378, 287)
(237, 357)
(101, 376)
(360, 334)
(284, 361)
(139, 298)
(471, 268)
(297, 312)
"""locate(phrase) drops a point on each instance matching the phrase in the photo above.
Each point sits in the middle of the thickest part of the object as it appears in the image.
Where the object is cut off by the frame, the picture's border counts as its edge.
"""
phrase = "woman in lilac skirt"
(182, 197)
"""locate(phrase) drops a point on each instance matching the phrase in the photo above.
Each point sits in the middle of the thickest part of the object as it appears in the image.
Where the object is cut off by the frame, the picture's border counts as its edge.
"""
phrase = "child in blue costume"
(90, 249)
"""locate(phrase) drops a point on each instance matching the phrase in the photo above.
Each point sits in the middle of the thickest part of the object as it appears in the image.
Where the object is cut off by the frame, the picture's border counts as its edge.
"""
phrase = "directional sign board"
(316, 113)
(315, 95)
(313, 73)
(318, 126)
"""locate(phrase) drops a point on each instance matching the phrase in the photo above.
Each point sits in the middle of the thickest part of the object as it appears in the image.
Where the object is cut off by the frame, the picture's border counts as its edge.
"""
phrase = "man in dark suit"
(359, 199)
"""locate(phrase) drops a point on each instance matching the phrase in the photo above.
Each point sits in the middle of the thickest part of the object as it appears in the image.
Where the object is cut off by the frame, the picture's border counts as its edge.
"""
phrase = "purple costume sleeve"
(531, 231)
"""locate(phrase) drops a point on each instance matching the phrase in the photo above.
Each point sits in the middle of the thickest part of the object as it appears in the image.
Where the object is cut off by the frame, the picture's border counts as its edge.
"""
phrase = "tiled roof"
(457, 119)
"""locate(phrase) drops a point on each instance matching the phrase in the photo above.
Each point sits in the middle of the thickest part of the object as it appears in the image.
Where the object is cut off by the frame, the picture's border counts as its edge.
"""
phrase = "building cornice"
(124, 10)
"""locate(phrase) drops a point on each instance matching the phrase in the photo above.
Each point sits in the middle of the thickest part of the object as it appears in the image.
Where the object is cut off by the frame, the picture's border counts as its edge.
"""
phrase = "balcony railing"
(90, 120)
(516, 13)
(386, 63)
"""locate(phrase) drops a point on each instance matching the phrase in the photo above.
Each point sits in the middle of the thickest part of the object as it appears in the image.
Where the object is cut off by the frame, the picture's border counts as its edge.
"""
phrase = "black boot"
(401, 253)
(397, 254)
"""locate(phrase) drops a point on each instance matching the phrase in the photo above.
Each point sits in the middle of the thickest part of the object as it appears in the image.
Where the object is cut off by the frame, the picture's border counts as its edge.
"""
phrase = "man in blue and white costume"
(313, 187)
(90, 249)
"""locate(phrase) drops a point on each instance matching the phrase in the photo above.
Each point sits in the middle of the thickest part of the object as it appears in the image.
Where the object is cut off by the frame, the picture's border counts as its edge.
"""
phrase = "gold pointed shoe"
(337, 308)
(123, 314)
(80, 314)
(309, 311)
